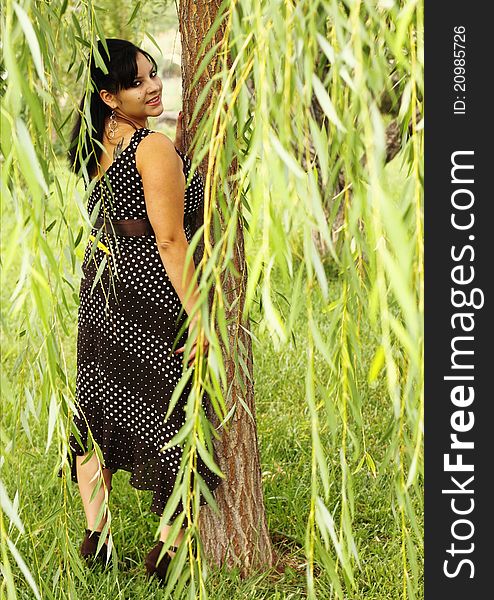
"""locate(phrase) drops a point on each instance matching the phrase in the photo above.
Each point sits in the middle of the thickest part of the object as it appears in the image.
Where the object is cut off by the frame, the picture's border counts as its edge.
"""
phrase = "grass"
(285, 446)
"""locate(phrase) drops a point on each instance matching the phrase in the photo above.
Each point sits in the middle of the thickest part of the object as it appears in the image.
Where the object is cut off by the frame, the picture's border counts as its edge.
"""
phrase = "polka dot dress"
(127, 322)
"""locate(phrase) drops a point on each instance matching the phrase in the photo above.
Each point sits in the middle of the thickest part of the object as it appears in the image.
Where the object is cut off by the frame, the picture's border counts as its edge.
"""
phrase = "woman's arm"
(163, 179)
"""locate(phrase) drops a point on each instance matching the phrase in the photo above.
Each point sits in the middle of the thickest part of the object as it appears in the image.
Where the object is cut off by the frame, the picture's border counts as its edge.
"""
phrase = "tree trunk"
(239, 537)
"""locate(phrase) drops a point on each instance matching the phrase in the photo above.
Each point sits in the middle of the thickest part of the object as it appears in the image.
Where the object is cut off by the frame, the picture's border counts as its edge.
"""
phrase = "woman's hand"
(179, 133)
(193, 333)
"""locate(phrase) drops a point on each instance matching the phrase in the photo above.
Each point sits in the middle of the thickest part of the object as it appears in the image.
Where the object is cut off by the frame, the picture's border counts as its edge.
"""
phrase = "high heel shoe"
(89, 545)
(158, 570)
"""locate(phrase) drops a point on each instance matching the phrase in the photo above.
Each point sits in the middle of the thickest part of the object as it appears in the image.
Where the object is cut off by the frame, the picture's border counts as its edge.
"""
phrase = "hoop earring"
(112, 125)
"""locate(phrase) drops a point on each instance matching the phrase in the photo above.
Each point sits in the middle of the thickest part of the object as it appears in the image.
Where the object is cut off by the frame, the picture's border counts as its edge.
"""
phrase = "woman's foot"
(89, 545)
(159, 569)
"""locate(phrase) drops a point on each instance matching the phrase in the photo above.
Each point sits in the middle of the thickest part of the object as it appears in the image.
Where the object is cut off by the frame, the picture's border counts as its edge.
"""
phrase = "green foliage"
(288, 64)
(298, 107)
(286, 447)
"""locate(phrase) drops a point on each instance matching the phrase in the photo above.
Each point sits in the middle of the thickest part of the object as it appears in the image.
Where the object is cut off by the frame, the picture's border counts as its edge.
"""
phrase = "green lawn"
(285, 445)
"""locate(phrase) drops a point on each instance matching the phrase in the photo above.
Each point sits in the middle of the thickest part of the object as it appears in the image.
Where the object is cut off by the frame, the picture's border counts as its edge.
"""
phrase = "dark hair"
(122, 71)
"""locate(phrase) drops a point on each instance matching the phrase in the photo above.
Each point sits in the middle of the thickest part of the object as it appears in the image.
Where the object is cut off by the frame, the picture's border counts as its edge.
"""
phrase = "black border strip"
(459, 227)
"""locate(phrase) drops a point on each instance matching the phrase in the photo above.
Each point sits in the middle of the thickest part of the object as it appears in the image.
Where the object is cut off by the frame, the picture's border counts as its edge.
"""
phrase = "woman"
(132, 294)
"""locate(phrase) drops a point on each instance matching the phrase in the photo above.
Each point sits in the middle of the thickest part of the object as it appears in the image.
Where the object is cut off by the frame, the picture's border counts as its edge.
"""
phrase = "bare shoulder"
(157, 149)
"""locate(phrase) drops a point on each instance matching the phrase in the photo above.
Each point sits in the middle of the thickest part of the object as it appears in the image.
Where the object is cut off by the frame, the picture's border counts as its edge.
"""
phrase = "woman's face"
(134, 102)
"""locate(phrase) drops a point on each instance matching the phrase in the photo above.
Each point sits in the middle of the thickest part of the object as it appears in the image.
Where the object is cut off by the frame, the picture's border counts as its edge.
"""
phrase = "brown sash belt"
(127, 227)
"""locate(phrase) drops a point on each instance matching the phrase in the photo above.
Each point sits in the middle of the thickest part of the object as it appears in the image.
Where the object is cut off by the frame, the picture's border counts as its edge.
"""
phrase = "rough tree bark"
(239, 537)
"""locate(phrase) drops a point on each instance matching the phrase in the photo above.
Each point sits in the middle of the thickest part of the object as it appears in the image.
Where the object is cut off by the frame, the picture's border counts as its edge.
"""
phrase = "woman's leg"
(87, 477)
(178, 539)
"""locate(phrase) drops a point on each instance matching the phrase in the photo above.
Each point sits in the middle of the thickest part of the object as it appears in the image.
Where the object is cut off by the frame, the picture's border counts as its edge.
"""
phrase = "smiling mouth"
(154, 100)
